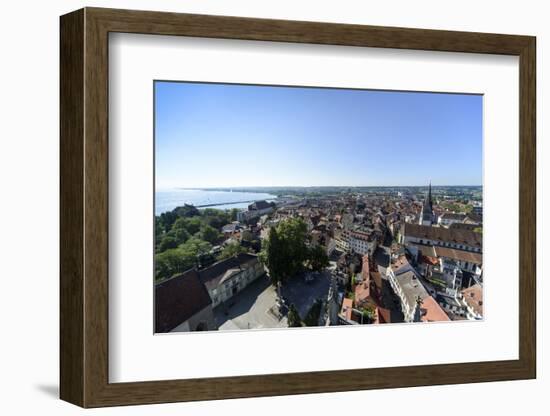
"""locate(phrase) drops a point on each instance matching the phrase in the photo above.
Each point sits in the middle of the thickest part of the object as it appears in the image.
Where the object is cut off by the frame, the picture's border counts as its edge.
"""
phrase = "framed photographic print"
(255, 207)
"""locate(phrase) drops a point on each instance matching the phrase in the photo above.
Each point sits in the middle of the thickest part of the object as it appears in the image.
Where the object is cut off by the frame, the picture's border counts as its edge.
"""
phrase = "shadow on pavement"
(303, 294)
(242, 302)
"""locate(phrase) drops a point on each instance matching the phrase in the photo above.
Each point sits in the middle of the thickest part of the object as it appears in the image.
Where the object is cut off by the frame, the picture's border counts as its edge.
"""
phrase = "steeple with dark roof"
(427, 215)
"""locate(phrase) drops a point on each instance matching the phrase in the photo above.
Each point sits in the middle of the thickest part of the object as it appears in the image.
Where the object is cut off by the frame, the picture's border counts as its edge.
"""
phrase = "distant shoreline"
(327, 187)
(167, 200)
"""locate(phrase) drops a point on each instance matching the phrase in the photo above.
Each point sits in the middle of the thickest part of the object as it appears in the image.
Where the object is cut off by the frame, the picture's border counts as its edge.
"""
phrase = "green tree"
(177, 260)
(180, 234)
(209, 233)
(192, 225)
(159, 230)
(173, 238)
(285, 250)
(167, 219)
(196, 246)
(271, 256)
(233, 214)
(171, 262)
(215, 217)
(231, 250)
(369, 314)
(179, 224)
(168, 242)
(294, 319)
(312, 316)
(318, 258)
(186, 211)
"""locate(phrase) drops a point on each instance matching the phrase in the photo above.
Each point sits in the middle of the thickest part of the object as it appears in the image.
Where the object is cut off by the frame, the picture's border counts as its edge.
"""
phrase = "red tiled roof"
(383, 315)
(399, 263)
(377, 278)
(429, 260)
(473, 296)
(365, 268)
(431, 311)
(458, 236)
(347, 308)
(462, 255)
(362, 292)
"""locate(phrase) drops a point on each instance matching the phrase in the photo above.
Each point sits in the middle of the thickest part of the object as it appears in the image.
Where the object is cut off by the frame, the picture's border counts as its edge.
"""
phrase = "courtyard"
(252, 308)
(302, 291)
(256, 306)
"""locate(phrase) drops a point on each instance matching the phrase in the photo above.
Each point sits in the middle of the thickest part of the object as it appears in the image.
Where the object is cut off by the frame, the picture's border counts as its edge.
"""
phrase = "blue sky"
(222, 135)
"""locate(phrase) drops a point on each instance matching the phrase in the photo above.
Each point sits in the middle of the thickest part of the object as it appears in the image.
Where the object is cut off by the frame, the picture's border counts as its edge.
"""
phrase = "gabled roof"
(178, 299)
(453, 216)
(462, 255)
(463, 226)
(450, 235)
(425, 249)
(475, 218)
(216, 274)
(412, 287)
(430, 311)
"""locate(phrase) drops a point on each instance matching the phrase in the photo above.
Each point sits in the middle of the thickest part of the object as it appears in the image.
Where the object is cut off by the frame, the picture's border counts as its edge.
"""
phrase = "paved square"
(303, 294)
(253, 308)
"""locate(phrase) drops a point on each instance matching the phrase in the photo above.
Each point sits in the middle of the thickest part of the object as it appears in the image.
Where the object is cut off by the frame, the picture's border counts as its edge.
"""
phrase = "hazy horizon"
(316, 186)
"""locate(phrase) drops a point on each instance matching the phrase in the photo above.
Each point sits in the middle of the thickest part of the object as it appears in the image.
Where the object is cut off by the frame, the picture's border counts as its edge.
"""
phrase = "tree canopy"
(294, 319)
(231, 250)
(318, 258)
(177, 260)
(286, 252)
(184, 238)
(209, 233)
(369, 314)
(312, 316)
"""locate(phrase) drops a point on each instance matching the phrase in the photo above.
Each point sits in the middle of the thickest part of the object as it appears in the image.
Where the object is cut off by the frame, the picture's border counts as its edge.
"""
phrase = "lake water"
(167, 200)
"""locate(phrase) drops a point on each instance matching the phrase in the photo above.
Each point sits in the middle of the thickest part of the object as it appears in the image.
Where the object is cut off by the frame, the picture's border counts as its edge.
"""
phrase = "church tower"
(427, 215)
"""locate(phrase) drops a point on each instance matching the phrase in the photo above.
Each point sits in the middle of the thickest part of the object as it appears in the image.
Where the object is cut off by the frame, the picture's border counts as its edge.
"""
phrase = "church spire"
(427, 215)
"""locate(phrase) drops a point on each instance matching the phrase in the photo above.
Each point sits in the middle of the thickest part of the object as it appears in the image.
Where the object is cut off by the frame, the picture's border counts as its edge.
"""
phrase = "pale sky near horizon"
(224, 135)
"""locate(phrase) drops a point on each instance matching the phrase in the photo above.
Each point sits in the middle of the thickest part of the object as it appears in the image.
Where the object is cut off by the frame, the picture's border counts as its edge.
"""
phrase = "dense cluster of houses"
(394, 258)
(426, 266)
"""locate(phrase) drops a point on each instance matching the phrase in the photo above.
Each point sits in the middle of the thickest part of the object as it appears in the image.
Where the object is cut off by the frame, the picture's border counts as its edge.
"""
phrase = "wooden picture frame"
(84, 207)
